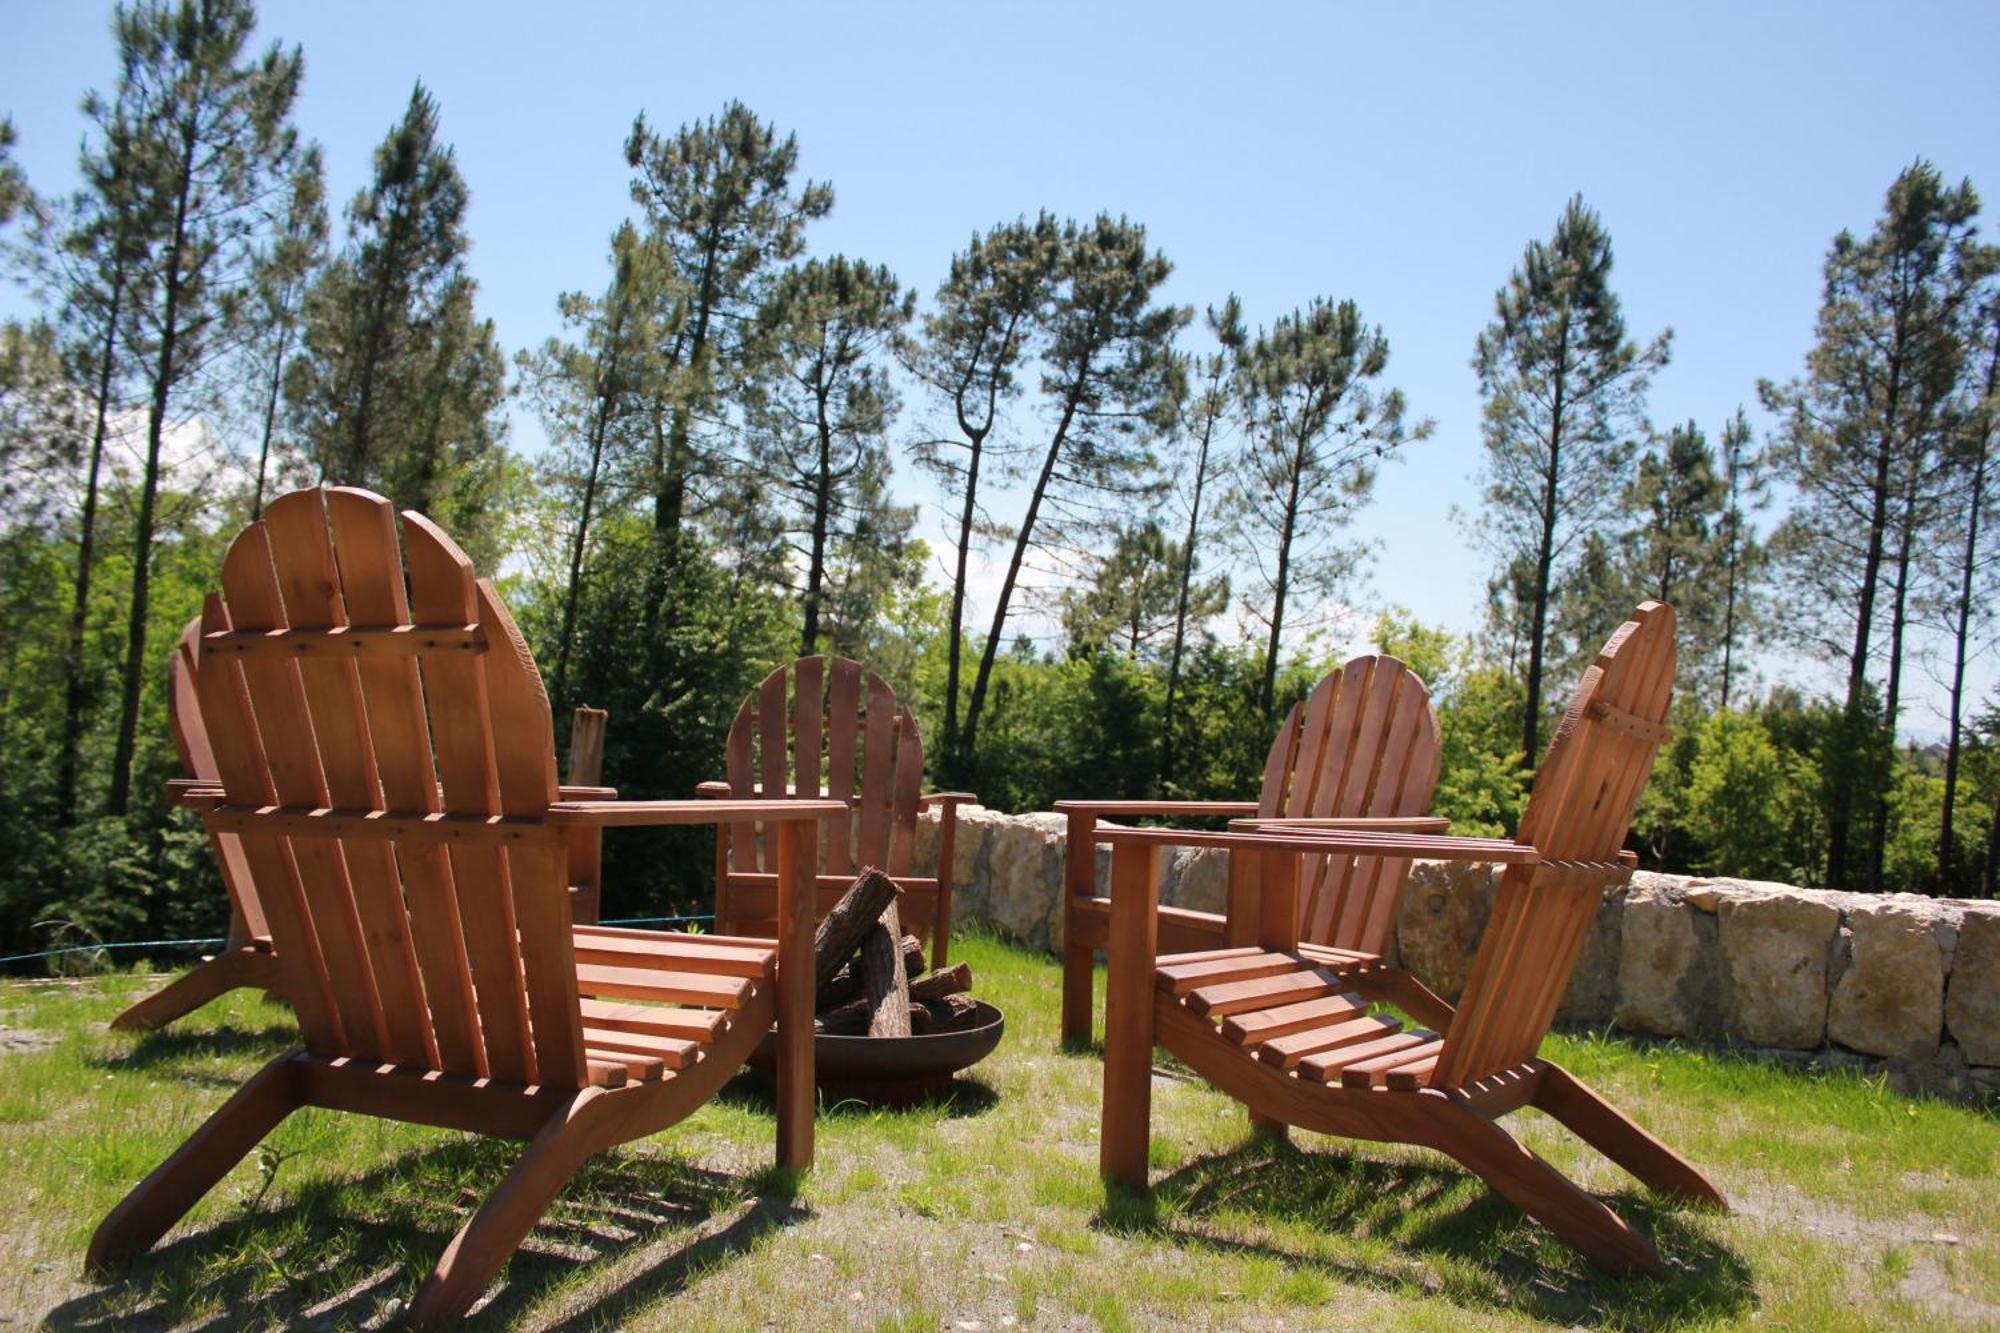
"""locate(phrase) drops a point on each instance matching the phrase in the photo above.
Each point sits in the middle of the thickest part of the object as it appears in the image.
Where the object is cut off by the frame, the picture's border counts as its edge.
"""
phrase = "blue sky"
(1401, 156)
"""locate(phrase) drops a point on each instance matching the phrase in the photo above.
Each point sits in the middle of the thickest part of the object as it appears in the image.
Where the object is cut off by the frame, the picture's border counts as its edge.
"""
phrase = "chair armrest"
(1333, 842)
(712, 790)
(569, 793)
(1156, 807)
(1423, 824)
(949, 799)
(619, 814)
(194, 793)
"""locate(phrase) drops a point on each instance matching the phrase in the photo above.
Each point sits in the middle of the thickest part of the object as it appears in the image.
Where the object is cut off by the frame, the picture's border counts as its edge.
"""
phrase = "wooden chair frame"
(1360, 752)
(849, 720)
(1296, 1043)
(414, 851)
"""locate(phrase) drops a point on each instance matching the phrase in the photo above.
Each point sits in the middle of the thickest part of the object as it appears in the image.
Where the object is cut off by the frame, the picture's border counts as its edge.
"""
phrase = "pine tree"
(1201, 417)
(719, 198)
(1319, 428)
(285, 270)
(986, 322)
(596, 397)
(399, 384)
(1564, 391)
(1742, 556)
(15, 196)
(1861, 431)
(1105, 372)
(821, 408)
(1973, 461)
(1136, 595)
(212, 142)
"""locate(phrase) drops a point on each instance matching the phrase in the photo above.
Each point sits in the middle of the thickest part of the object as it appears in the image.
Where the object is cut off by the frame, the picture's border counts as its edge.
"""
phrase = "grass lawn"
(1854, 1207)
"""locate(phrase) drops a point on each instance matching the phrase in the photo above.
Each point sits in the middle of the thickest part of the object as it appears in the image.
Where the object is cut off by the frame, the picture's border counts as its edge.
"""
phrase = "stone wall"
(1895, 982)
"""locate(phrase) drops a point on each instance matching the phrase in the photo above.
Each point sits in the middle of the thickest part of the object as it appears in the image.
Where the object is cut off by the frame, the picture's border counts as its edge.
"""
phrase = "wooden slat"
(347, 642)
(904, 791)
(310, 584)
(658, 983)
(1327, 1065)
(1178, 978)
(455, 688)
(607, 1073)
(696, 1025)
(773, 749)
(371, 570)
(1417, 1047)
(239, 759)
(1279, 763)
(1235, 997)
(683, 953)
(743, 782)
(639, 1067)
(673, 1052)
(878, 765)
(1287, 1050)
(1257, 1025)
(843, 737)
(284, 720)
(198, 760)
(524, 753)
(1309, 759)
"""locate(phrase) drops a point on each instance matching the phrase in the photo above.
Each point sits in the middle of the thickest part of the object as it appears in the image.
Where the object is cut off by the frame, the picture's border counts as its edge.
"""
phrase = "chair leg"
(485, 1243)
(1269, 1128)
(1542, 1192)
(177, 1184)
(197, 986)
(1594, 1120)
(1078, 967)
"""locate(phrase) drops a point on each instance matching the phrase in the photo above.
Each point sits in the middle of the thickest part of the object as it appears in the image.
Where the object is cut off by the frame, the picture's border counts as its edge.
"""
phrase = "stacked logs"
(870, 975)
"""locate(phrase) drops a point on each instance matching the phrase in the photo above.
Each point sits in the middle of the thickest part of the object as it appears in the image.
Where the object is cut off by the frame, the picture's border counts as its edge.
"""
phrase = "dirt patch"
(26, 1041)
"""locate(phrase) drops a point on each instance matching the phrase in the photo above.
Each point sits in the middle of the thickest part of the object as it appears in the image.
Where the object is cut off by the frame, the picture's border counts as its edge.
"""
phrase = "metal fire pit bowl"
(892, 1071)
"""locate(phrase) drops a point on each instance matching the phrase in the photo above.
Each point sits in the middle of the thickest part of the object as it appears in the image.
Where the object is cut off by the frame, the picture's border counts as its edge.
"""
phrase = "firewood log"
(952, 1013)
(885, 986)
(845, 984)
(952, 980)
(839, 933)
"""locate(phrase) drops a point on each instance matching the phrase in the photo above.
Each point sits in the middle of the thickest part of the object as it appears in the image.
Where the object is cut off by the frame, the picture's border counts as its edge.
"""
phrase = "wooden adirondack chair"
(1285, 1027)
(810, 725)
(411, 845)
(247, 959)
(1362, 750)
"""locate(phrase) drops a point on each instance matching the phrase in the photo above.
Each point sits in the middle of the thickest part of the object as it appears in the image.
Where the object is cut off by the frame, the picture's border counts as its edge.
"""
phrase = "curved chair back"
(383, 745)
(1579, 812)
(825, 726)
(1364, 742)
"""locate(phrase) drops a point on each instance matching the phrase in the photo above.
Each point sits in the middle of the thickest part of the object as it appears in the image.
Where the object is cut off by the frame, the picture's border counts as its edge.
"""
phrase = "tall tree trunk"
(1892, 698)
(957, 759)
(1021, 541)
(1267, 690)
(74, 690)
(676, 459)
(1545, 557)
(1840, 817)
(1729, 592)
(270, 424)
(1961, 631)
(821, 519)
(572, 590)
(1168, 757)
(119, 798)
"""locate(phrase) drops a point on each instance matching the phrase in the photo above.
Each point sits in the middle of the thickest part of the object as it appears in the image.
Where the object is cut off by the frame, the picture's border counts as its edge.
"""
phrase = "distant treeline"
(728, 411)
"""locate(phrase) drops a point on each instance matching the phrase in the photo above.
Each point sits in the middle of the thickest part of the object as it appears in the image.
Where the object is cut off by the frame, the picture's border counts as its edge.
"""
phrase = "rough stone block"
(1890, 999)
(1440, 920)
(1775, 947)
(1972, 1002)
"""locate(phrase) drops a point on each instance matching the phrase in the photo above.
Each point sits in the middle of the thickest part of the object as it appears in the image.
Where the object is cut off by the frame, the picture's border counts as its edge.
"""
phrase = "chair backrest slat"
(1578, 815)
(1364, 742)
(453, 955)
(198, 761)
(843, 732)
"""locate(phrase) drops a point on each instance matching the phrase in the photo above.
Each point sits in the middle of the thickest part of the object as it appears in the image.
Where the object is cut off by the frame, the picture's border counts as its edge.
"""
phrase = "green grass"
(1854, 1207)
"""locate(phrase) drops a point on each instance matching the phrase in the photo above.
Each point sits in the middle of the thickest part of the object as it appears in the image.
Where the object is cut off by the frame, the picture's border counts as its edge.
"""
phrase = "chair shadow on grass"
(183, 1054)
(1485, 1254)
(958, 1099)
(336, 1252)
